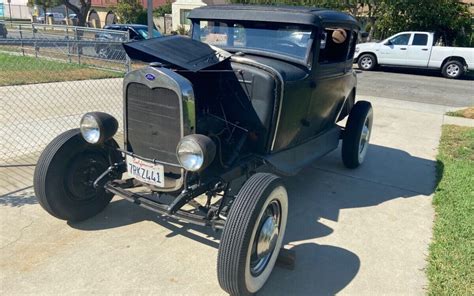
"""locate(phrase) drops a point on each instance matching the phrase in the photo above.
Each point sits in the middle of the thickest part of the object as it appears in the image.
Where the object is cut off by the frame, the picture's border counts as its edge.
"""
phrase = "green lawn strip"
(15, 70)
(451, 259)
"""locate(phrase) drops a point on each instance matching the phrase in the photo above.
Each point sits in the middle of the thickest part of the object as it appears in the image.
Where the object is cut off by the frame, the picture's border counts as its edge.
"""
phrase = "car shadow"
(322, 268)
(319, 192)
(18, 198)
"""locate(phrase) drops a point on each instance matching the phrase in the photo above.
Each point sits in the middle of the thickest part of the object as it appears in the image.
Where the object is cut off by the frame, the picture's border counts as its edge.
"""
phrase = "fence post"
(34, 37)
(21, 38)
(127, 59)
(77, 45)
(69, 49)
(68, 45)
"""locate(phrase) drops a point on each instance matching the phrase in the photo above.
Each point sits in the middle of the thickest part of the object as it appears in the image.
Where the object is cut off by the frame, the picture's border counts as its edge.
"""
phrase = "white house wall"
(180, 5)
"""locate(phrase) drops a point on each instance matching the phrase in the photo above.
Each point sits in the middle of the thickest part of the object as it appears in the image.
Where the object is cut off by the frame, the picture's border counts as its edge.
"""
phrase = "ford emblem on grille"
(150, 76)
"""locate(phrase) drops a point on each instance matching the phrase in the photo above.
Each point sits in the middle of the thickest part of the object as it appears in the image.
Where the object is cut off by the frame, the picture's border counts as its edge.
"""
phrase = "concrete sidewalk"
(362, 232)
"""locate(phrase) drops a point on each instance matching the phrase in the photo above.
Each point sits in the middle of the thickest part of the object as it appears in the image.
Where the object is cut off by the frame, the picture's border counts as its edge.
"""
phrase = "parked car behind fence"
(3, 30)
(107, 50)
(58, 18)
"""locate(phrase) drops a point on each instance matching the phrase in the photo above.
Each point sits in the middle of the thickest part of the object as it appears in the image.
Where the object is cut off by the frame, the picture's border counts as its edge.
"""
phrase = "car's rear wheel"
(253, 235)
(65, 173)
(355, 142)
(367, 62)
(453, 69)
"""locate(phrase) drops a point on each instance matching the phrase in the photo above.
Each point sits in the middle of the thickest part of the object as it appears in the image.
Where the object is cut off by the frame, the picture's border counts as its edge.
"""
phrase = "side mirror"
(388, 42)
(364, 34)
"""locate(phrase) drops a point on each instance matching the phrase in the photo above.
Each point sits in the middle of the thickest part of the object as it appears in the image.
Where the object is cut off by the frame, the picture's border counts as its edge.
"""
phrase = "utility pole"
(150, 18)
(10, 9)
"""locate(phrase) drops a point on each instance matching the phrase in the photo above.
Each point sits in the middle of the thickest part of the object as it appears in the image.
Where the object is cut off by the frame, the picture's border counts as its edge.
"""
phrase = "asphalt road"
(417, 86)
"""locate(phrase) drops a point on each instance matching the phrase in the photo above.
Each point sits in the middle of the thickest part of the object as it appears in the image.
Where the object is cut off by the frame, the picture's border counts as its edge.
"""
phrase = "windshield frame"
(305, 61)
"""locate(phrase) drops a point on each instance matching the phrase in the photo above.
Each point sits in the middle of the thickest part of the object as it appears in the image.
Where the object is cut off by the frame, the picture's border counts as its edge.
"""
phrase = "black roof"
(281, 14)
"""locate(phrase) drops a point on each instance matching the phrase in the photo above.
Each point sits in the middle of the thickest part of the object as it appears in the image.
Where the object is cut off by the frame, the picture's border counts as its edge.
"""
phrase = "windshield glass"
(289, 40)
(144, 33)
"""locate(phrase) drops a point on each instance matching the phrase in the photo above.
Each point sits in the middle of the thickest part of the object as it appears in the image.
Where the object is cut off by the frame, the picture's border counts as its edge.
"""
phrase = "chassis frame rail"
(162, 208)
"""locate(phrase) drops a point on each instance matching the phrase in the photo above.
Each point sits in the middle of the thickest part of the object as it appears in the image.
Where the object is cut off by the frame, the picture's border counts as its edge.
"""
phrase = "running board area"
(289, 162)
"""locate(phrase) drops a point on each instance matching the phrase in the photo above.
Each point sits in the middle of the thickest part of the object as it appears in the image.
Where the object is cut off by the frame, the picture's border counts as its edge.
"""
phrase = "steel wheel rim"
(266, 238)
(366, 62)
(364, 139)
(452, 70)
(103, 53)
(81, 176)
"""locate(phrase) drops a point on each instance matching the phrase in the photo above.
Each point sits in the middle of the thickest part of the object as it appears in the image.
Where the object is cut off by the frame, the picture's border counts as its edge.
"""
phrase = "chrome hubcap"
(266, 238)
(366, 62)
(364, 140)
(453, 70)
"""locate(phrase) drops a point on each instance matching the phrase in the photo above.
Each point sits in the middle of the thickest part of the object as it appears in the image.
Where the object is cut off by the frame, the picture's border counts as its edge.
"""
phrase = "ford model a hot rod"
(256, 92)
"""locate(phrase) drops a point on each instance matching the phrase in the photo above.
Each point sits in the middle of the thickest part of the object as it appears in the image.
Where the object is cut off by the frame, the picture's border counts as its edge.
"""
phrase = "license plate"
(145, 171)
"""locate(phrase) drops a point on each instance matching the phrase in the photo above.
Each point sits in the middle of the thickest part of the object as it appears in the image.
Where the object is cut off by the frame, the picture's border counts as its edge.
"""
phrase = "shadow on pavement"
(320, 191)
(322, 268)
(18, 198)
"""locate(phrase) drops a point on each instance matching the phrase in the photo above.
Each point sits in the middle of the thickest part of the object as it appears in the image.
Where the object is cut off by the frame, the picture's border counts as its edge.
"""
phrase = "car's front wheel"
(253, 235)
(65, 173)
(367, 62)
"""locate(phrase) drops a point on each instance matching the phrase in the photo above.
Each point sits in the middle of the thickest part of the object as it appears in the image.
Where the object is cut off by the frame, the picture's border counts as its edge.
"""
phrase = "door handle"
(403, 48)
(424, 49)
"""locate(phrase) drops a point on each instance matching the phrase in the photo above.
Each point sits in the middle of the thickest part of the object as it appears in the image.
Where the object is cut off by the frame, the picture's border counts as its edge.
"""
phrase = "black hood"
(181, 52)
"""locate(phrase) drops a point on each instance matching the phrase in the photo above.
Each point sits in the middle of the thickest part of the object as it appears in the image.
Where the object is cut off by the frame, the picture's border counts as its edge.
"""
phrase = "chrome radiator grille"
(153, 122)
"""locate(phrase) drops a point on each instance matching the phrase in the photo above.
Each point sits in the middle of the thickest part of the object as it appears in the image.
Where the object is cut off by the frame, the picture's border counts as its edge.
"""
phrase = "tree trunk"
(80, 11)
(371, 21)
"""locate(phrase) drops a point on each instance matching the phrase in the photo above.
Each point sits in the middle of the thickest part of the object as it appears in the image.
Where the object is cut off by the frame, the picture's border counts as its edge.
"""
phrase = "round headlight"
(98, 127)
(90, 129)
(195, 152)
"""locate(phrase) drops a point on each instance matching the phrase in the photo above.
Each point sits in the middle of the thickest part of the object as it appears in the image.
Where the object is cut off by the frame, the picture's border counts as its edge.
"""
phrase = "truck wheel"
(103, 53)
(357, 135)
(453, 69)
(253, 235)
(64, 176)
(367, 62)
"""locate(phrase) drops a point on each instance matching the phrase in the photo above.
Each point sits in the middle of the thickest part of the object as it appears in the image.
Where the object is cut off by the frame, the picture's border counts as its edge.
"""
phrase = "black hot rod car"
(255, 93)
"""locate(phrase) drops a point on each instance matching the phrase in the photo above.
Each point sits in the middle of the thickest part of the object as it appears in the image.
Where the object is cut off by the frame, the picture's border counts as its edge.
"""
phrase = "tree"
(81, 11)
(163, 9)
(45, 4)
(449, 19)
(130, 11)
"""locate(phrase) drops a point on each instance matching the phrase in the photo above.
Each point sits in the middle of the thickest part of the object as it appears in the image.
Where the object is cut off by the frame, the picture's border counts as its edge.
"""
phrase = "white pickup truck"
(418, 50)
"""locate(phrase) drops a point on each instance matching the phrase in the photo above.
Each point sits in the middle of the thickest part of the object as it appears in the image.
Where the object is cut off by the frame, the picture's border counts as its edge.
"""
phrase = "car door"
(394, 50)
(418, 52)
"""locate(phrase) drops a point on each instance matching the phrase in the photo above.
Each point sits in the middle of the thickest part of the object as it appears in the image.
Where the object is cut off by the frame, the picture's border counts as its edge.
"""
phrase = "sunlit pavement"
(361, 232)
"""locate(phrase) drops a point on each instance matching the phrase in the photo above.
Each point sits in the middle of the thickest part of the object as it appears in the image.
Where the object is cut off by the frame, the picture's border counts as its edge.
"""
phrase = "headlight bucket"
(195, 152)
(98, 127)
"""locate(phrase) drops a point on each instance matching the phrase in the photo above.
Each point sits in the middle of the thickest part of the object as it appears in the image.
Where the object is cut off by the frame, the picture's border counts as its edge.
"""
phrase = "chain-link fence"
(49, 77)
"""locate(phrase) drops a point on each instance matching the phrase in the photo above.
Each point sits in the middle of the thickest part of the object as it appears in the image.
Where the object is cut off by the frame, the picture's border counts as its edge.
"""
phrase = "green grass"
(451, 259)
(15, 70)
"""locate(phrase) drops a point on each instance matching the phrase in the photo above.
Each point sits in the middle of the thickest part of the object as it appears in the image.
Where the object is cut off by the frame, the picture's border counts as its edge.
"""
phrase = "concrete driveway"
(362, 232)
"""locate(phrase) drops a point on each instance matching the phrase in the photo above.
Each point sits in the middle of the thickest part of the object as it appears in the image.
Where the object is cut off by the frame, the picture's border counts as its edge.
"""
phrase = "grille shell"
(153, 122)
